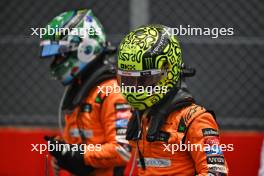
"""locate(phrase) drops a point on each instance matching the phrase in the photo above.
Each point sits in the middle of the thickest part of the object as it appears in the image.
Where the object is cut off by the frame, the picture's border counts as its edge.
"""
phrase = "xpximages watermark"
(83, 148)
(207, 148)
(200, 31)
(82, 32)
(132, 89)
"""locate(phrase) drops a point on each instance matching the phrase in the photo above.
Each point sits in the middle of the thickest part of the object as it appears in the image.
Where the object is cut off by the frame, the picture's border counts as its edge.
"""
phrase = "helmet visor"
(139, 78)
(52, 48)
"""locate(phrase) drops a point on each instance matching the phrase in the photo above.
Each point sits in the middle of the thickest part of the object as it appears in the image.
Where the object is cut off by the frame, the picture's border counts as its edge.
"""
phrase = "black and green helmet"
(149, 58)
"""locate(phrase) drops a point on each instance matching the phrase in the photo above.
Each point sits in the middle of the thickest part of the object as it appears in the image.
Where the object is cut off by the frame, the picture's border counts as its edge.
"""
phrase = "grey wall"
(230, 74)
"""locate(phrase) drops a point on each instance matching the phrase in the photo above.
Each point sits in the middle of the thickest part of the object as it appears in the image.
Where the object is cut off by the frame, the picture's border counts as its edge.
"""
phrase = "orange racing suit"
(101, 123)
(189, 125)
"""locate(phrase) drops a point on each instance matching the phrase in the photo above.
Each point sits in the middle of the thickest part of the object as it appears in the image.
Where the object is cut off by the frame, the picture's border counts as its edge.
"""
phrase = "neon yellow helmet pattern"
(149, 57)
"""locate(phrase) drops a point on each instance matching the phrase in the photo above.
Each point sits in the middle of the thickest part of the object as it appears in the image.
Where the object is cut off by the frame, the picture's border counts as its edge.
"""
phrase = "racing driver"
(163, 121)
(83, 62)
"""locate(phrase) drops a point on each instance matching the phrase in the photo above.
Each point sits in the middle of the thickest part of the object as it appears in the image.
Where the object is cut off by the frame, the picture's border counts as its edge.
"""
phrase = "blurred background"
(230, 70)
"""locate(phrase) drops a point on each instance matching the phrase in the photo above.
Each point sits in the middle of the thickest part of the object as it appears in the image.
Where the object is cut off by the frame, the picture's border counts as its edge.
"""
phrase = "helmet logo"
(86, 50)
(128, 67)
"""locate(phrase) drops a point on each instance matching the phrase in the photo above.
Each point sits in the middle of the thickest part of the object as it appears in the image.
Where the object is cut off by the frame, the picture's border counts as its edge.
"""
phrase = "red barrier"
(17, 158)
(245, 159)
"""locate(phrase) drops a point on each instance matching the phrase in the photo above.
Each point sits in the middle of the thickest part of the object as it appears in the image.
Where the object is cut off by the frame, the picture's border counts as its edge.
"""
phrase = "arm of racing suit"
(112, 153)
(204, 130)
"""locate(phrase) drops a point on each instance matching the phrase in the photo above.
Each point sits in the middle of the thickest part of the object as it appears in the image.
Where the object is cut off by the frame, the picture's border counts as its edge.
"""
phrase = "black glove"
(69, 159)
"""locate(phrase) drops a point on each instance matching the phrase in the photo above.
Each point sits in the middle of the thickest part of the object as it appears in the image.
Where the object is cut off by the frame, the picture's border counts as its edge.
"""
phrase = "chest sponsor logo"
(216, 168)
(124, 114)
(121, 123)
(212, 141)
(75, 132)
(123, 153)
(210, 132)
(122, 106)
(215, 160)
(156, 162)
(212, 146)
(121, 131)
(121, 139)
(213, 150)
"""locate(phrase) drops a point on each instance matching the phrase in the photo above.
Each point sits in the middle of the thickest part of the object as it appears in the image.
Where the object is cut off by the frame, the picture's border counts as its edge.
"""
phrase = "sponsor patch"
(212, 146)
(215, 160)
(121, 131)
(210, 132)
(214, 168)
(212, 140)
(125, 154)
(214, 150)
(75, 132)
(122, 106)
(216, 174)
(121, 139)
(122, 114)
(156, 162)
(121, 123)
